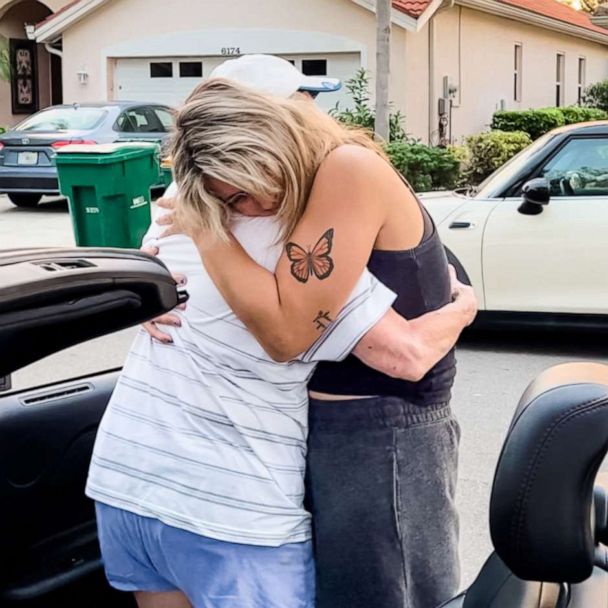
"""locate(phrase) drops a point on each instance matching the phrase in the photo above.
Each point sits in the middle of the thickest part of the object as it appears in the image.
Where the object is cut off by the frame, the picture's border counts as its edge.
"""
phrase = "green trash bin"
(108, 188)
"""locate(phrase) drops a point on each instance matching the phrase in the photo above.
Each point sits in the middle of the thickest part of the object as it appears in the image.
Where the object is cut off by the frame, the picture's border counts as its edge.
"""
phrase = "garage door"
(169, 80)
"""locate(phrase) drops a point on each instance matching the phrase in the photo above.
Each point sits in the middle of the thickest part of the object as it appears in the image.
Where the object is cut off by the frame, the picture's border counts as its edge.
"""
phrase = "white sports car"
(532, 239)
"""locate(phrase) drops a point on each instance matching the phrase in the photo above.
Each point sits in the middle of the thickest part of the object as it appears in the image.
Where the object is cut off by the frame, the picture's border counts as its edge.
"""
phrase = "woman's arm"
(324, 258)
(409, 349)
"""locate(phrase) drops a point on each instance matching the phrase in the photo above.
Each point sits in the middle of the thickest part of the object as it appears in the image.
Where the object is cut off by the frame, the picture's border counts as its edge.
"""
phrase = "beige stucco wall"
(13, 16)
(85, 44)
(476, 51)
(416, 68)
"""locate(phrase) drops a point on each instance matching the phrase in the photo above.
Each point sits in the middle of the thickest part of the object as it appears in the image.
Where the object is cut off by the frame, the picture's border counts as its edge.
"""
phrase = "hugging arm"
(408, 349)
(326, 255)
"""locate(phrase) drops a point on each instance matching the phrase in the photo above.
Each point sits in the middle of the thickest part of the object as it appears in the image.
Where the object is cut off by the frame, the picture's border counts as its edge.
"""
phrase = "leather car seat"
(547, 523)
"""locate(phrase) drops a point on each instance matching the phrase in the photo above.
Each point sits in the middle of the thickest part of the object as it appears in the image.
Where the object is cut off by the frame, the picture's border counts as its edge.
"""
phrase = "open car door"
(51, 299)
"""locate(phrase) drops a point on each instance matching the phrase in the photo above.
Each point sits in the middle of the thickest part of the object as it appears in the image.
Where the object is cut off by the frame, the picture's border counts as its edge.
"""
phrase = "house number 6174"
(231, 50)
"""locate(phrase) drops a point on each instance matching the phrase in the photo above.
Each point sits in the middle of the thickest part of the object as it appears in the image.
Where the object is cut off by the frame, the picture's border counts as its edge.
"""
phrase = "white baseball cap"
(273, 75)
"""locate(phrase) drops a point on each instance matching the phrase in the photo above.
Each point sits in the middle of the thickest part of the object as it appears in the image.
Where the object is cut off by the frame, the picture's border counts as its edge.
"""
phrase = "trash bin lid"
(105, 153)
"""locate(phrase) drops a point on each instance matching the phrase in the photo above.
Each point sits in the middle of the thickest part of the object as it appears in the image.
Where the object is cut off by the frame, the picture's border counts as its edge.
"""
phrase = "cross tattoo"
(323, 320)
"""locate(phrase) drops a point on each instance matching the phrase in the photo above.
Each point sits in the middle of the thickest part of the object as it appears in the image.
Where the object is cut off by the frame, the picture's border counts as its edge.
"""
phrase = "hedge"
(425, 167)
(533, 122)
(574, 114)
(540, 121)
(487, 152)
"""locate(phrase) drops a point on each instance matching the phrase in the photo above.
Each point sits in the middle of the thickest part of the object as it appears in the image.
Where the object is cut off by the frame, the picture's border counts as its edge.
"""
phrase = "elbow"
(415, 372)
(413, 365)
(411, 371)
(418, 364)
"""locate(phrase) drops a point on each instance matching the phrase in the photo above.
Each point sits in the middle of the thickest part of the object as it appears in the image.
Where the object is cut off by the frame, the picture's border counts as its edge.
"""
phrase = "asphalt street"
(493, 371)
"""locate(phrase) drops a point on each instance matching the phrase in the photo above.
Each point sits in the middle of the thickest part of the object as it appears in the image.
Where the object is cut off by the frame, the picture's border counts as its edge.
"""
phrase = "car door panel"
(462, 233)
(47, 525)
(51, 299)
(556, 261)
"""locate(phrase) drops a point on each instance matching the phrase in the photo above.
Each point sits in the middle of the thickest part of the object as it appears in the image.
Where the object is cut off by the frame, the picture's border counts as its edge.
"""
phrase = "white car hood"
(441, 205)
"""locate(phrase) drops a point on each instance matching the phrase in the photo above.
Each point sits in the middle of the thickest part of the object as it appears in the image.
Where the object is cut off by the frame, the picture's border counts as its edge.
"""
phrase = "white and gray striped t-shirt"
(208, 434)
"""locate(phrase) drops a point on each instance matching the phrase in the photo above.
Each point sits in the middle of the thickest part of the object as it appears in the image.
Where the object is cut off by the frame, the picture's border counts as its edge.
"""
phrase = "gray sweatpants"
(381, 485)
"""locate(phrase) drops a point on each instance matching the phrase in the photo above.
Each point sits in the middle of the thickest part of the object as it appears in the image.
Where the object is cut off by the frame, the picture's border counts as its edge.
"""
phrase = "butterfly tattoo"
(315, 262)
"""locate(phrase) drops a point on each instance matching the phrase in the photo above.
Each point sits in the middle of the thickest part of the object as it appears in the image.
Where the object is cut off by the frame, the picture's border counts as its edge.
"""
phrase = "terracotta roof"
(61, 10)
(558, 11)
(413, 8)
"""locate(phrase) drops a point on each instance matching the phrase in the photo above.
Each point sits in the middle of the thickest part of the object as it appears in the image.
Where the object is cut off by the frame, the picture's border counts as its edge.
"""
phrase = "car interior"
(549, 524)
(51, 299)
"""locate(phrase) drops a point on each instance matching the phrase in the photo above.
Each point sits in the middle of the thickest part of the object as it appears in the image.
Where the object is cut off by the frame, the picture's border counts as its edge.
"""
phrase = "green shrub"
(596, 95)
(3, 129)
(533, 122)
(489, 151)
(426, 168)
(574, 114)
(362, 115)
(540, 121)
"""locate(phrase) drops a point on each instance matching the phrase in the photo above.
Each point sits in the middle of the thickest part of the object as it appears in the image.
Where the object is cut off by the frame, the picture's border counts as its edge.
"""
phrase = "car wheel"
(461, 273)
(25, 200)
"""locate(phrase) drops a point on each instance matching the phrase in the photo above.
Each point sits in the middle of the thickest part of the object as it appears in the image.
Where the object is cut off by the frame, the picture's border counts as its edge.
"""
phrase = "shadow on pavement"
(567, 342)
(56, 205)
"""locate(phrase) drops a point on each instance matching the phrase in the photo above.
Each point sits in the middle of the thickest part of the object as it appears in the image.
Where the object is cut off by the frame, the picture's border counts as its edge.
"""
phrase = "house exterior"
(453, 62)
(14, 14)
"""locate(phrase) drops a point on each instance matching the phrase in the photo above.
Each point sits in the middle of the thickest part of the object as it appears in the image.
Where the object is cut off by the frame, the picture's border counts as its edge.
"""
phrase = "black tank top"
(420, 278)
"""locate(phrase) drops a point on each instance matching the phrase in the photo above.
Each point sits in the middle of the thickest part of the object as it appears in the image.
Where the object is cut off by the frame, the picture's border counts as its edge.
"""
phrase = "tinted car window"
(140, 120)
(503, 175)
(580, 168)
(165, 117)
(63, 119)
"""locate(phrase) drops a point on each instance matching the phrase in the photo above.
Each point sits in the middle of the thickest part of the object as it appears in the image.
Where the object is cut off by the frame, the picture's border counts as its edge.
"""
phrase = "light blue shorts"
(144, 554)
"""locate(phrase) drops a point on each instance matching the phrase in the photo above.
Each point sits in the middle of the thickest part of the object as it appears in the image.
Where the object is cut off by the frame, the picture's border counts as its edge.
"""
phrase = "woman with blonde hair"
(382, 446)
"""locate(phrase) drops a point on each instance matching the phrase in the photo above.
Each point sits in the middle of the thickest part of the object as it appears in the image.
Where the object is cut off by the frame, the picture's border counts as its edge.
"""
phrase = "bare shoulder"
(353, 160)
(350, 176)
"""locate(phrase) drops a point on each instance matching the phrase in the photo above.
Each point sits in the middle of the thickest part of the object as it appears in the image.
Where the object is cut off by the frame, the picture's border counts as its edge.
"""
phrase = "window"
(190, 69)
(580, 168)
(162, 69)
(582, 77)
(139, 120)
(76, 118)
(165, 117)
(314, 67)
(560, 77)
(517, 72)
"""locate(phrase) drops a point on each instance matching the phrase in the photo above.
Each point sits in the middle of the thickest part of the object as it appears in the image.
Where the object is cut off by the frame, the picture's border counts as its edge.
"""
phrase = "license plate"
(27, 158)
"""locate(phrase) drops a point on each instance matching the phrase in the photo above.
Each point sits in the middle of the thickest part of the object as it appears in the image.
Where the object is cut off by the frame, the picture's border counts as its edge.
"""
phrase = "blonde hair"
(266, 146)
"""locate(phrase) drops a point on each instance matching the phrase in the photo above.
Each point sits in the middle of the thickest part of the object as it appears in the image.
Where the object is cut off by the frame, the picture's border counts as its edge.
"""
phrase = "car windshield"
(63, 119)
(503, 174)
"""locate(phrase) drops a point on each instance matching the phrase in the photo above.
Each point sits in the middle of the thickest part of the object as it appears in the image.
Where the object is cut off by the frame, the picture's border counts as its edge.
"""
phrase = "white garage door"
(169, 80)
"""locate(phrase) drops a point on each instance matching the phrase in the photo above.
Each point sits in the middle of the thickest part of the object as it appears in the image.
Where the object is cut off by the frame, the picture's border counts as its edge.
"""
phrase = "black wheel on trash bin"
(25, 200)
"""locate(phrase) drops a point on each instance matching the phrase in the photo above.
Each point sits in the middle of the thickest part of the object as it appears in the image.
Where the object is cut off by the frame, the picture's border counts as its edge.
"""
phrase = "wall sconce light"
(83, 76)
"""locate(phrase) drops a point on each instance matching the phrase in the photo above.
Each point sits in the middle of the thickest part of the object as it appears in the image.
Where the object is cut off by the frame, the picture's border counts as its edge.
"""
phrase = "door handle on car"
(461, 225)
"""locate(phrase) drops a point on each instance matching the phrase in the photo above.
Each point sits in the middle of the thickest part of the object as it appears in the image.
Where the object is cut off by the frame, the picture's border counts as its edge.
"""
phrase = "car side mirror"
(536, 194)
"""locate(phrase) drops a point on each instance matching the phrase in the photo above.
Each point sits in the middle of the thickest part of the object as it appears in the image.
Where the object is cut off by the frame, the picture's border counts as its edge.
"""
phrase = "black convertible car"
(549, 526)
